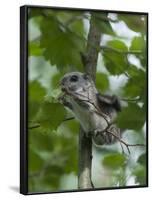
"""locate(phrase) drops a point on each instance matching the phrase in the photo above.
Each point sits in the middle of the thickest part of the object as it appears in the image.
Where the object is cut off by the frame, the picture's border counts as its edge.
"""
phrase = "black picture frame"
(24, 98)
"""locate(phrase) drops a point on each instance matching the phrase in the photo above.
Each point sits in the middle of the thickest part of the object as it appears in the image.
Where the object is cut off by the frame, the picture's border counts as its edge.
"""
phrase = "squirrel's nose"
(62, 84)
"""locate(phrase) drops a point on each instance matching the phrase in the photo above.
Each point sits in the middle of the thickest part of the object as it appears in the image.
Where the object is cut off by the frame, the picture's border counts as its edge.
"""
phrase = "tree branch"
(123, 142)
(85, 142)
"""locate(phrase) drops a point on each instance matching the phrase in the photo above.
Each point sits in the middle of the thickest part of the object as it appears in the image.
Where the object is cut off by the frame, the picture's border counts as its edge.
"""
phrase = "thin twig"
(97, 110)
(122, 147)
(126, 144)
(132, 100)
(103, 47)
(38, 125)
(67, 119)
(34, 126)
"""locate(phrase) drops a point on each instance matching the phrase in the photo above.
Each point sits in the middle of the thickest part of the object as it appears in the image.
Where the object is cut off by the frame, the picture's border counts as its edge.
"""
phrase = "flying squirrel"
(95, 112)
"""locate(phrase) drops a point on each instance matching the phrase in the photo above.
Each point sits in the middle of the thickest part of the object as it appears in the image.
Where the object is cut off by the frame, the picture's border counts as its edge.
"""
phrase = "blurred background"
(56, 39)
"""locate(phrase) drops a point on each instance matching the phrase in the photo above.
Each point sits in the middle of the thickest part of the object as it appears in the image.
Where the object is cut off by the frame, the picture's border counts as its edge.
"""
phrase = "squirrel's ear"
(86, 76)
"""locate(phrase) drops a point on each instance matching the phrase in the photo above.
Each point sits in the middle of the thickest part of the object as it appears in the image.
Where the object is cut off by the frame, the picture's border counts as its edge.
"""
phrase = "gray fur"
(94, 111)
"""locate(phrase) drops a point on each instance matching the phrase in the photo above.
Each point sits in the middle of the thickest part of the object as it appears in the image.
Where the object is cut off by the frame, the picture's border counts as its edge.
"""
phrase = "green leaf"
(102, 81)
(114, 161)
(135, 22)
(131, 117)
(35, 162)
(142, 159)
(114, 60)
(53, 179)
(73, 126)
(61, 46)
(140, 173)
(77, 27)
(33, 108)
(133, 71)
(132, 89)
(51, 115)
(102, 22)
(34, 49)
(56, 79)
(117, 44)
(138, 43)
(53, 96)
(136, 83)
(40, 141)
(34, 12)
(36, 95)
(36, 91)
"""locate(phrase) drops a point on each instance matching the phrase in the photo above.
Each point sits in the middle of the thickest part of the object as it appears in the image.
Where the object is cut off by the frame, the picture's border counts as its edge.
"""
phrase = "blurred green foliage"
(56, 40)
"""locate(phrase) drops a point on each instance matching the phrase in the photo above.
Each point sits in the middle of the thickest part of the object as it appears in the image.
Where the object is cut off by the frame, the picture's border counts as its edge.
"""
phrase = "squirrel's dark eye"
(74, 78)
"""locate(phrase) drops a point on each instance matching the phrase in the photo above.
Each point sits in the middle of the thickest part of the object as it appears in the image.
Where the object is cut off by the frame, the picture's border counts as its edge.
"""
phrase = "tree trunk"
(85, 143)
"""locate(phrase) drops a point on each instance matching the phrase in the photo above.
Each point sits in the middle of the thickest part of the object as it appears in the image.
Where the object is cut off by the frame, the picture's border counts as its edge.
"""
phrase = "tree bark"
(85, 142)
